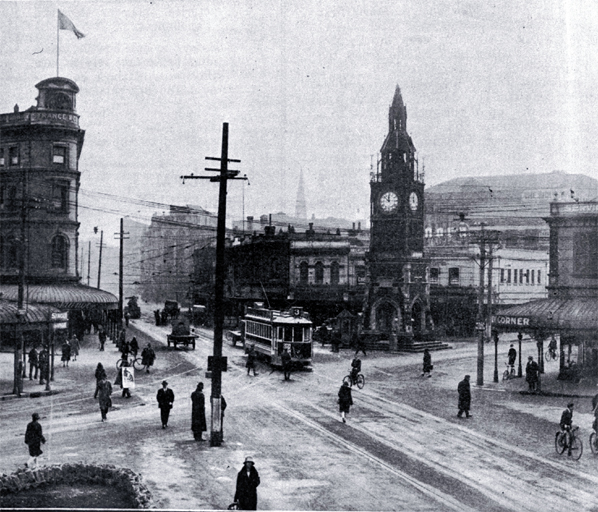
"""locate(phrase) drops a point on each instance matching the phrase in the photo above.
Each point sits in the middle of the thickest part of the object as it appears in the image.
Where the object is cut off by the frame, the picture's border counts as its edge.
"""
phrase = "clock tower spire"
(398, 292)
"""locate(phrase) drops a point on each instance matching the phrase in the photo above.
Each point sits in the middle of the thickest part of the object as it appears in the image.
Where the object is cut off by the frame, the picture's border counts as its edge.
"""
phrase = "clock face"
(413, 201)
(389, 202)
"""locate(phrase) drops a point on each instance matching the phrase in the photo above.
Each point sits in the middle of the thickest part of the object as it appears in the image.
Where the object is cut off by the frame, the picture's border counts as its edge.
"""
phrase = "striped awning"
(573, 314)
(32, 313)
(62, 296)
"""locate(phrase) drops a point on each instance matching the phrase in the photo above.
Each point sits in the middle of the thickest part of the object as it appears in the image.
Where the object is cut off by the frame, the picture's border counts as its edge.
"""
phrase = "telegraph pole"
(480, 318)
(121, 236)
(88, 260)
(218, 364)
(100, 259)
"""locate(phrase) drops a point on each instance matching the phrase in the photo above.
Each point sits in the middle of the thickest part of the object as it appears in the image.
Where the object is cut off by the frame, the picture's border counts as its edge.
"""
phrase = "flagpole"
(57, 44)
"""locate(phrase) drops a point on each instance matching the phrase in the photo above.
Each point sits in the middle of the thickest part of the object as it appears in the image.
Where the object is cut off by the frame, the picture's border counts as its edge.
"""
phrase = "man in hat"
(248, 480)
(512, 355)
(33, 363)
(34, 438)
(198, 413)
(165, 399)
(566, 423)
(531, 374)
(464, 391)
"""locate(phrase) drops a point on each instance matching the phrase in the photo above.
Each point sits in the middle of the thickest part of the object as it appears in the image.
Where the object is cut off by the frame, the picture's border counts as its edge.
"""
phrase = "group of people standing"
(70, 349)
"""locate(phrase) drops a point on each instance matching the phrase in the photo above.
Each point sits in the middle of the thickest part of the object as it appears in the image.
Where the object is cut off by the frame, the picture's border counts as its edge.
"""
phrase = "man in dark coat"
(44, 365)
(134, 346)
(33, 363)
(165, 399)
(34, 438)
(427, 363)
(531, 374)
(198, 413)
(250, 364)
(345, 400)
(147, 357)
(66, 353)
(100, 375)
(566, 424)
(102, 337)
(512, 355)
(248, 480)
(464, 391)
(105, 390)
(286, 364)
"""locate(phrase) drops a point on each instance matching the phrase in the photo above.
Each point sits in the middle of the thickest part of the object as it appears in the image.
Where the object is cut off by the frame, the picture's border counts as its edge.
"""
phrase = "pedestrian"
(566, 425)
(134, 346)
(44, 365)
(34, 438)
(127, 317)
(100, 376)
(222, 409)
(345, 400)
(126, 378)
(360, 347)
(464, 391)
(163, 317)
(105, 390)
(250, 364)
(148, 357)
(66, 353)
(512, 355)
(428, 366)
(75, 347)
(531, 374)
(198, 413)
(125, 348)
(248, 480)
(286, 364)
(33, 363)
(165, 399)
(102, 337)
(122, 338)
(157, 316)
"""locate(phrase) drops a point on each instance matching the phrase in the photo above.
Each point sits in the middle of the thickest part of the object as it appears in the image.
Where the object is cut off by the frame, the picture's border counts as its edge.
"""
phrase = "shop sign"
(519, 321)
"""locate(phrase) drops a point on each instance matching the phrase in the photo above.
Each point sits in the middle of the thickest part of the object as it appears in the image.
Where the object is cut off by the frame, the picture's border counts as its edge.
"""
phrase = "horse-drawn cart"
(182, 339)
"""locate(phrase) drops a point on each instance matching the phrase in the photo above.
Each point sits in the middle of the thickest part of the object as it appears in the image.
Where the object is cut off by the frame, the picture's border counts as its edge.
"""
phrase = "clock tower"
(398, 291)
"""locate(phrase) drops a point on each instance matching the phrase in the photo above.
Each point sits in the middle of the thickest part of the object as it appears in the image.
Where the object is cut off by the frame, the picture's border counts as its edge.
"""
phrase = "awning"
(573, 314)
(63, 296)
(33, 313)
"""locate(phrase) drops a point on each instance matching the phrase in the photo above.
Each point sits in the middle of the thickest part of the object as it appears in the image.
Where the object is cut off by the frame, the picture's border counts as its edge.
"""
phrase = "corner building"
(39, 183)
(397, 304)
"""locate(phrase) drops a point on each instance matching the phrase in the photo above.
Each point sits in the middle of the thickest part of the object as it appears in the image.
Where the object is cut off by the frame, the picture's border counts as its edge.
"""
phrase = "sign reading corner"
(516, 321)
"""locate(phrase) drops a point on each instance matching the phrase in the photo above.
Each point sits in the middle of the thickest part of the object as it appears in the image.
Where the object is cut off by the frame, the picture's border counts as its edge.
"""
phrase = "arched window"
(319, 273)
(304, 272)
(60, 252)
(334, 272)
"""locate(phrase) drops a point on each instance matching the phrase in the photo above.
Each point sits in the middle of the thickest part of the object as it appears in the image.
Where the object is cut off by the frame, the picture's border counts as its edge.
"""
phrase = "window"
(585, 253)
(13, 155)
(440, 232)
(334, 272)
(59, 252)
(533, 280)
(539, 278)
(502, 275)
(508, 276)
(2, 157)
(59, 156)
(298, 333)
(453, 273)
(304, 272)
(434, 274)
(319, 273)
(514, 276)
(428, 232)
(527, 276)
(520, 276)
(60, 197)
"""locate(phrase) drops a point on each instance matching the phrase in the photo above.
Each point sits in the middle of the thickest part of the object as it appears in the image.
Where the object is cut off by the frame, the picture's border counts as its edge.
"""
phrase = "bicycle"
(551, 355)
(560, 443)
(509, 373)
(135, 362)
(594, 443)
(359, 380)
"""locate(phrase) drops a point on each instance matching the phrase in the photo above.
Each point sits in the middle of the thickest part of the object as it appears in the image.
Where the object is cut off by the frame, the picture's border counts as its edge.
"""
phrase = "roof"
(34, 313)
(574, 314)
(63, 296)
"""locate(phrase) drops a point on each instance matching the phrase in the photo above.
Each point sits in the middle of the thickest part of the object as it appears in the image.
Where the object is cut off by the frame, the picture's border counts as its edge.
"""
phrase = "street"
(402, 448)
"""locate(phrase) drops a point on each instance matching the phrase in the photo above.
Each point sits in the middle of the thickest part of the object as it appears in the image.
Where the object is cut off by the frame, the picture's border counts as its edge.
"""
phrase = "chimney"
(354, 226)
(359, 226)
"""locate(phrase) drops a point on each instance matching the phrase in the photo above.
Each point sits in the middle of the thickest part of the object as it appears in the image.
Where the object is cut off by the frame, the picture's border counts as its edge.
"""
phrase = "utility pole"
(480, 318)
(217, 360)
(489, 310)
(100, 259)
(122, 238)
(88, 260)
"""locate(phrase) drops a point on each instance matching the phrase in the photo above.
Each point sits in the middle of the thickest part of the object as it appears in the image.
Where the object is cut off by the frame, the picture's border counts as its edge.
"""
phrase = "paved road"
(402, 448)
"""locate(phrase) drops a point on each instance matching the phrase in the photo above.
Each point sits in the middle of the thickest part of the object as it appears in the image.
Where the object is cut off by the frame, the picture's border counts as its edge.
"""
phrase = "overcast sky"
(491, 88)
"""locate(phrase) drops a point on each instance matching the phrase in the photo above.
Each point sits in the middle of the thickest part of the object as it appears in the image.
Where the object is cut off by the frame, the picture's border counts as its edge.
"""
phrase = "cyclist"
(355, 369)
(512, 355)
(566, 425)
(552, 348)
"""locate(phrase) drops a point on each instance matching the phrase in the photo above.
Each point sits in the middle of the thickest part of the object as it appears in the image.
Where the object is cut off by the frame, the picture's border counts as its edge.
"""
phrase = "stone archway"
(385, 316)
(418, 319)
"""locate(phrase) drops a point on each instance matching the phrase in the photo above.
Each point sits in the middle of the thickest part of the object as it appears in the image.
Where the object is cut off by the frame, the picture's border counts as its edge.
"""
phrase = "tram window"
(298, 333)
(307, 335)
(279, 333)
(288, 334)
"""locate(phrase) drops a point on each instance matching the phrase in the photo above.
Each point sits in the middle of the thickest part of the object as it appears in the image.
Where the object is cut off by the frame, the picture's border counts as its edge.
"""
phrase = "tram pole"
(220, 271)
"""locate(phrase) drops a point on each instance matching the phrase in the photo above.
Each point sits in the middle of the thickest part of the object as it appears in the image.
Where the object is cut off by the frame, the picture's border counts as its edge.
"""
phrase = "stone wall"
(105, 475)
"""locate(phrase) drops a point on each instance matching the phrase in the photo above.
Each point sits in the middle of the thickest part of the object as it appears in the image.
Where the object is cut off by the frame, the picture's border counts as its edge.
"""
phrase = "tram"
(271, 331)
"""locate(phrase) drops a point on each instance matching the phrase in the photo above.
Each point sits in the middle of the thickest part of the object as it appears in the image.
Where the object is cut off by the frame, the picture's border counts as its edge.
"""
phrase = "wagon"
(182, 339)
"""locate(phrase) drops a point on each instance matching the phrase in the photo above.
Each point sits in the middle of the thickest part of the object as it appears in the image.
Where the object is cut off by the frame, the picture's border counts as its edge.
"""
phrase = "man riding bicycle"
(567, 424)
(355, 369)
(552, 347)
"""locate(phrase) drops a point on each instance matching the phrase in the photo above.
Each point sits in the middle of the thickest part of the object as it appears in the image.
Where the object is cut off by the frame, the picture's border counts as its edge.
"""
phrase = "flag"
(65, 24)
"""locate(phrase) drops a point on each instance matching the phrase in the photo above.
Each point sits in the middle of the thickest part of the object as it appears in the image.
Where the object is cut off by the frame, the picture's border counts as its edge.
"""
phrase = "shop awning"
(32, 313)
(62, 296)
(573, 314)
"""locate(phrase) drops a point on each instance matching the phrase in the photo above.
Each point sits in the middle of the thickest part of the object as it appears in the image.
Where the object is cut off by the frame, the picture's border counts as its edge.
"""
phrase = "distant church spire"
(300, 207)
